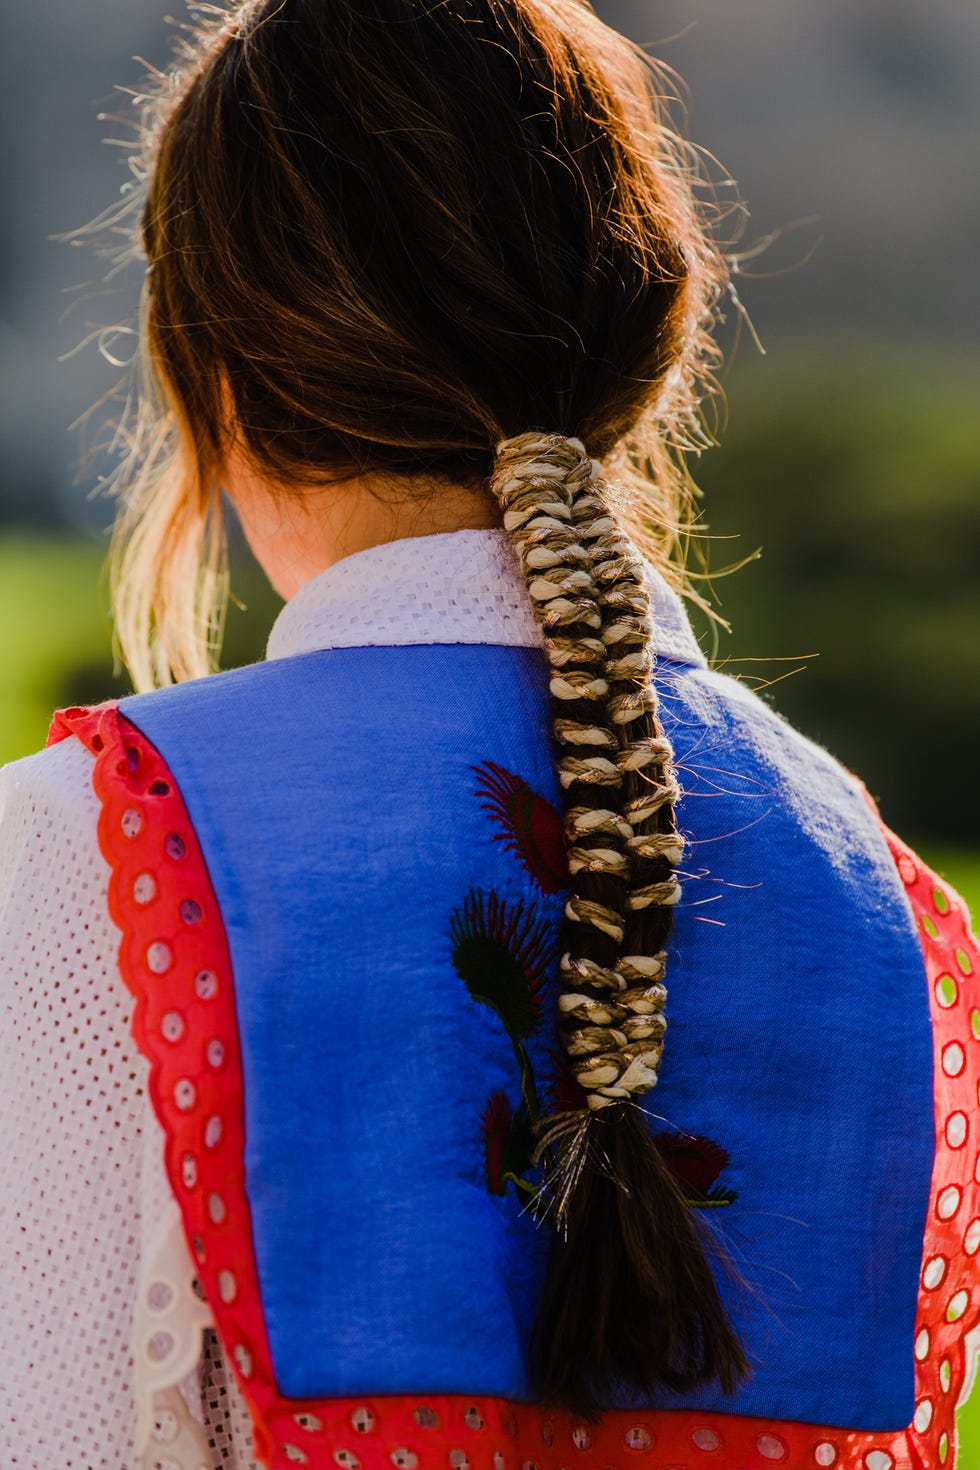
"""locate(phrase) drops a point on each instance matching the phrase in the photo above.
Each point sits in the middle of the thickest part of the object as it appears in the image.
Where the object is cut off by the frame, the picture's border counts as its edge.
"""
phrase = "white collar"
(451, 587)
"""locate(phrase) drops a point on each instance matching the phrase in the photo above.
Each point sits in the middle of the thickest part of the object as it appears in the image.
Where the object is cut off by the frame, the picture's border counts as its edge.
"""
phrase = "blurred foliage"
(53, 629)
(859, 477)
(56, 645)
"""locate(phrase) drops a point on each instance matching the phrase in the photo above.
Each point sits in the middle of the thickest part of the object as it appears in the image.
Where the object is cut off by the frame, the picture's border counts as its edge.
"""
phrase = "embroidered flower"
(695, 1163)
(530, 826)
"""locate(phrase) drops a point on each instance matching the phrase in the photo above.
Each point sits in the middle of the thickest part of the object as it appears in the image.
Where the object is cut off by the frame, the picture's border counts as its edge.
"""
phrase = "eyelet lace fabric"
(88, 1221)
(168, 1324)
(173, 958)
(71, 1101)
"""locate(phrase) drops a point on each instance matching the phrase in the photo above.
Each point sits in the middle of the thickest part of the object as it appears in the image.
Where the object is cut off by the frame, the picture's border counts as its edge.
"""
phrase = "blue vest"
(376, 822)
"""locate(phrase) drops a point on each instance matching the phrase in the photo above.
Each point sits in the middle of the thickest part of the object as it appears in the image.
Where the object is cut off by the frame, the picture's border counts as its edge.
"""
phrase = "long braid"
(630, 1299)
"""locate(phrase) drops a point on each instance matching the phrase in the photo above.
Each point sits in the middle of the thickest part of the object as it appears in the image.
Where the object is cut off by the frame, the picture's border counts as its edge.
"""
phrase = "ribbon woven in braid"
(587, 583)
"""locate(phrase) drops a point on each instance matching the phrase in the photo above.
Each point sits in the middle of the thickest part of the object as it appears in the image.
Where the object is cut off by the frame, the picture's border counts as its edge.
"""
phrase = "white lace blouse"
(108, 1359)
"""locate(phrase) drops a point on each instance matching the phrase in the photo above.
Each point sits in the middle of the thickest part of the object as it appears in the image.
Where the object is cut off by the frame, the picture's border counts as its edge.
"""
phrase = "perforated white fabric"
(71, 1090)
(454, 587)
(88, 1223)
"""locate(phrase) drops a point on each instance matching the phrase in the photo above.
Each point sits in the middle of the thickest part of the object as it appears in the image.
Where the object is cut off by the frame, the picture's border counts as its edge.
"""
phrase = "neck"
(295, 534)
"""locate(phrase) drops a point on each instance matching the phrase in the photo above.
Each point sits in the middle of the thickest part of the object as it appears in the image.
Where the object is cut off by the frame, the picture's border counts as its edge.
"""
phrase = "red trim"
(950, 1281)
(174, 1025)
(184, 1022)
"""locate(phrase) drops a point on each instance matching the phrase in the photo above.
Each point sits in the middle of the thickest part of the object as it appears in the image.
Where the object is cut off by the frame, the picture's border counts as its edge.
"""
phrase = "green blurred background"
(850, 455)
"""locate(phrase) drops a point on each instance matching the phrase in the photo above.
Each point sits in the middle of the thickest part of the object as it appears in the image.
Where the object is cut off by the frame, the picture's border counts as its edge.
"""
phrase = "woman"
(393, 1176)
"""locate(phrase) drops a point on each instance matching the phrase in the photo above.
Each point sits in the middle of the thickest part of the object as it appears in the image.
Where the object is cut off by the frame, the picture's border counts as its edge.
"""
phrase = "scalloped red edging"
(174, 959)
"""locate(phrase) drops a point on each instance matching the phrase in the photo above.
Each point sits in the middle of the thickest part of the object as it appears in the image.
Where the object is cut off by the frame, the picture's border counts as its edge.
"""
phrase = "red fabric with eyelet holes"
(167, 946)
(142, 813)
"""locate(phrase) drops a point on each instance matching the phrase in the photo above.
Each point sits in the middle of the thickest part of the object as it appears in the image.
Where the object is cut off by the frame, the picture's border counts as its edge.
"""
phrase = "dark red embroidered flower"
(531, 828)
(695, 1163)
(507, 1145)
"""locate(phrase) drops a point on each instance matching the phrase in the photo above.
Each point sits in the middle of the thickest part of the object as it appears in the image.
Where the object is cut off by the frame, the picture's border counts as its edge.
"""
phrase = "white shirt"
(90, 1234)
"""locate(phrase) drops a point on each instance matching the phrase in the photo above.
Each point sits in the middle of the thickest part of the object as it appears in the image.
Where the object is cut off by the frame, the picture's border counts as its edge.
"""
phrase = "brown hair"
(461, 240)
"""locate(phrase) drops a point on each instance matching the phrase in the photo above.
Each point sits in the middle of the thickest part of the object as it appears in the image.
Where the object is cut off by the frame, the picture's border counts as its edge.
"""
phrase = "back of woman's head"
(384, 235)
(458, 240)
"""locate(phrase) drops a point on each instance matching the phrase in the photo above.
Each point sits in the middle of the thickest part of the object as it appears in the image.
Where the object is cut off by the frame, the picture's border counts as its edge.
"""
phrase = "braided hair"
(629, 1283)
